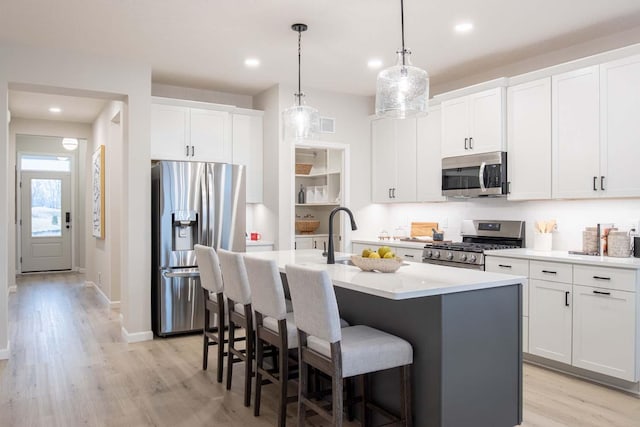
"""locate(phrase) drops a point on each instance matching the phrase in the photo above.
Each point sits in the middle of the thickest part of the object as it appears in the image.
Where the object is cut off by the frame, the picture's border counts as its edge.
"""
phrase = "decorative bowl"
(383, 265)
(307, 226)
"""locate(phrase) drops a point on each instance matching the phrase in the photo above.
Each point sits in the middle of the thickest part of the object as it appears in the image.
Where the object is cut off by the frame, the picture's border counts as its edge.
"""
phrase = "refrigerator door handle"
(204, 203)
(187, 272)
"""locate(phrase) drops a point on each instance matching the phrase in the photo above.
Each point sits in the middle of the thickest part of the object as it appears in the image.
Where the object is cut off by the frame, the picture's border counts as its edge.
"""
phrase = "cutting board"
(423, 228)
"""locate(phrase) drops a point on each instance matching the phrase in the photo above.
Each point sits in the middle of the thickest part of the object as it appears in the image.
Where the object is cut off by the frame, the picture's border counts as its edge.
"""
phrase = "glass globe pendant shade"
(70, 143)
(301, 122)
(402, 90)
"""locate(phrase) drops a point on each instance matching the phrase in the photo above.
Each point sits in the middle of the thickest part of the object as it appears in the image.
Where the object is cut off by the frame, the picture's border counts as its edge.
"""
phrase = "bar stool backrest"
(267, 291)
(209, 266)
(315, 308)
(234, 274)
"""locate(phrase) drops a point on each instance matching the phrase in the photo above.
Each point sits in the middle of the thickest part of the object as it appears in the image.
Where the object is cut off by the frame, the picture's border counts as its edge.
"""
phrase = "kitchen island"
(464, 326)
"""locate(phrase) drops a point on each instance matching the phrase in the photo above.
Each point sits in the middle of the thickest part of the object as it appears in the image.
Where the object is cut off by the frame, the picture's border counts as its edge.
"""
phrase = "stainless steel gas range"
(477, 236)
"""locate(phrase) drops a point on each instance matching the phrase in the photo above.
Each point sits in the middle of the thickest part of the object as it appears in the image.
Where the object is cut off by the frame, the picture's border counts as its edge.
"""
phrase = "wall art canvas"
(97, 185)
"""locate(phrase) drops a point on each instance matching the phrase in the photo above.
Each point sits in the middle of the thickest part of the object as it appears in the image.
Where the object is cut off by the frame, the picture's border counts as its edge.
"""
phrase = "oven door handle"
(481, 177)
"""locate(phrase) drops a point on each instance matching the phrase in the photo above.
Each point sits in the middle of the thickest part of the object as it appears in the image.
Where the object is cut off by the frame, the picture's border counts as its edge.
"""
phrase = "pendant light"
(300, 121)
(402, 90)
(70, 143)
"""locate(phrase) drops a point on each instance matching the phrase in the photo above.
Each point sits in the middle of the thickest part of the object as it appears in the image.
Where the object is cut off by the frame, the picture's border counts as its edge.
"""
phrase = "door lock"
(67, 219)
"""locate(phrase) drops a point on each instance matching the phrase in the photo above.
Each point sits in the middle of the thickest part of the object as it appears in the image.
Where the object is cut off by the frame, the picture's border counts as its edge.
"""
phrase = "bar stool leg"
(232, 338)
(364, 383)
(284, 380)
(248, 366)
(405, 387)
(259, 367)
(220, 336)
(205, 338)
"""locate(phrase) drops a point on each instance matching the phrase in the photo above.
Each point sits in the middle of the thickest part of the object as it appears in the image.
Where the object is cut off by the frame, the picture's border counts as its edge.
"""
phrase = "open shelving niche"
(324, 189)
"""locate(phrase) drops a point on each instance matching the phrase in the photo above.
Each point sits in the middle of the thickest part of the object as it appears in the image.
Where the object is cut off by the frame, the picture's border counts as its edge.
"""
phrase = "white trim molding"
(112, 304)
(136, 336)
(12, 289)
(5, 352)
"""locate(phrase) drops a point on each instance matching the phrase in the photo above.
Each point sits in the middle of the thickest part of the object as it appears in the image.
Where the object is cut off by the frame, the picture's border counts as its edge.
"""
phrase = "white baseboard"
(112, 304)
(4, 353)
(136, 336)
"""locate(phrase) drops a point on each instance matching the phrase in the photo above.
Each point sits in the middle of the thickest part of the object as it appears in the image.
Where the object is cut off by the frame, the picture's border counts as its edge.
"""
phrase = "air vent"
(327, 125)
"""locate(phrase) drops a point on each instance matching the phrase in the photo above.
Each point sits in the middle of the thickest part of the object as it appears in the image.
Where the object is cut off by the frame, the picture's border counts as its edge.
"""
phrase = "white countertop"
(563, 256)
(259, 243)
(413, 280)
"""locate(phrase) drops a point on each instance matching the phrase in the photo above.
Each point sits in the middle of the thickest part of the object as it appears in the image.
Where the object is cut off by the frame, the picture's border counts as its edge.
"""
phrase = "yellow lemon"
(389, 255)
(374, 255)
(383, 250)
(365, 253)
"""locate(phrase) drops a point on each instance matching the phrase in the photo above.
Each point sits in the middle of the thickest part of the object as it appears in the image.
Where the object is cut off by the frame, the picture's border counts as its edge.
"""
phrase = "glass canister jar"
(590, 240)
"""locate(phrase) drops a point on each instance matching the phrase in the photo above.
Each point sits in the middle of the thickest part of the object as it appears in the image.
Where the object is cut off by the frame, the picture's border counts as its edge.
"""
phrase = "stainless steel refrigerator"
(191, 203)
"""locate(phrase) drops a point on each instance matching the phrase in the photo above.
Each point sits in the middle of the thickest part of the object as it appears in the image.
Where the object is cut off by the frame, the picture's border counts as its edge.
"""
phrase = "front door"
(46, 221)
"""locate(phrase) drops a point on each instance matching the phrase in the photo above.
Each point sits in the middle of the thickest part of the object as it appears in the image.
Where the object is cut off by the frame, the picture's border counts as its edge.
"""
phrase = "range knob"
(449, 255)
(473, 258)
(436, 254)
(428, 254)
(463, 257)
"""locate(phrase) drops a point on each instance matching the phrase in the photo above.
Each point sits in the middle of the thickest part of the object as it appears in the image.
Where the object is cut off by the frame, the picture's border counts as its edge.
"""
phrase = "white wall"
(76, 74)
(572, 216)
(202, 95)
(103, 260)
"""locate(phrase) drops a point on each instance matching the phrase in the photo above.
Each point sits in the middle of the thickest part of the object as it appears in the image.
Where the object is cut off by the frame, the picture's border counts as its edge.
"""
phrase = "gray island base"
(467, 368)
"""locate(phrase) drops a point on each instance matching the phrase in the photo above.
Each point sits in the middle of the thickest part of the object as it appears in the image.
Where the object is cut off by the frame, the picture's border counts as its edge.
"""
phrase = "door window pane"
(45, 163)
(46, 200)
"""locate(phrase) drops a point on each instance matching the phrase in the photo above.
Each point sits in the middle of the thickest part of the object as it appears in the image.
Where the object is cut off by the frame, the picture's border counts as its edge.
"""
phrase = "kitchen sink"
(344, 262)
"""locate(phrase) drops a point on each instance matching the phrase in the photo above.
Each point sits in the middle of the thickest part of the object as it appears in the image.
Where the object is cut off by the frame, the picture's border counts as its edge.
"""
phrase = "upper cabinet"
(620, 127)
(183, 133)
(529, 140)
(474, 123)
(595, 124)
(393, 169)
(576, 134)
(428, 154)
(247, 150)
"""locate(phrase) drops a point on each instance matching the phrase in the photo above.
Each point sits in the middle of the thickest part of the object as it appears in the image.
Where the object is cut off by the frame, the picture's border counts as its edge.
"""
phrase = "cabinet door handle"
(595, 179)
(549, 272)
(566, 298)
(504, 266)
(390, 194)
(193, 151)
(470, 143)
(315, 244)
(602, 183)
(295, 245)
(601, 278)
(466, 140)
(187, 148)
(409, 256)
(394, 193)
(602, 293)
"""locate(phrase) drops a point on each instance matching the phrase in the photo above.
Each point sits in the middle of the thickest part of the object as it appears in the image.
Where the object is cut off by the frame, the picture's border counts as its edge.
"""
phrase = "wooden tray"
(423, 228)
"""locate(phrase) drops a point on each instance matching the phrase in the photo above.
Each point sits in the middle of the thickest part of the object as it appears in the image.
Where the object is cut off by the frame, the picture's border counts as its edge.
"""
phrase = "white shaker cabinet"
(604, 333)
(529, 140)
(576, 134)
(393, 168)
(429, 166)
(180, 132)
(620, 128)
(248, 150)
(474, 123)
(550, 320)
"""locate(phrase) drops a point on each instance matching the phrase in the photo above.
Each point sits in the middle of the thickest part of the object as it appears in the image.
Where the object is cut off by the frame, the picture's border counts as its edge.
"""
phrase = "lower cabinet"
(409, 254)
(582, 315)
(550, 320)
(303, 243)
(604, 331)
(316, 242)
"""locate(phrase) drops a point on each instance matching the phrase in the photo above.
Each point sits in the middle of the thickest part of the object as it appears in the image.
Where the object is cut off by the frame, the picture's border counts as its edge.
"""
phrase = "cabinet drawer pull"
(466, 140)
(193, 151)
(566, 298)
(409, 256)
(470, 143)
(549, 272)
(602, 183)
(601, 278)
(504, 266)
(595, 179)
(187, 147)
(602, 293)
(390, 193)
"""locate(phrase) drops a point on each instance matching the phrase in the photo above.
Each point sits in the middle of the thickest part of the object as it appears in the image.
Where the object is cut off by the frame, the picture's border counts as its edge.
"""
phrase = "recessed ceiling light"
(55, 110)
(464, 27)
(252, 62)
(374, 63)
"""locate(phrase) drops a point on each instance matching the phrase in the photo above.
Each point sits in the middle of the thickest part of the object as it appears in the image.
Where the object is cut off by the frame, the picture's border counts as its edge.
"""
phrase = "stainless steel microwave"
(475, 175)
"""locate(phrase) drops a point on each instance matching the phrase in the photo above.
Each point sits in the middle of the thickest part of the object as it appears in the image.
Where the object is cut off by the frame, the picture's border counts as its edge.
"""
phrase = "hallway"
(70, 367)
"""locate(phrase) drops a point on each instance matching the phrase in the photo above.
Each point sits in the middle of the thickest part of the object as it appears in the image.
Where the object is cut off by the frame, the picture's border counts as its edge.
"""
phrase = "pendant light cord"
(404, 51)
(299, 94)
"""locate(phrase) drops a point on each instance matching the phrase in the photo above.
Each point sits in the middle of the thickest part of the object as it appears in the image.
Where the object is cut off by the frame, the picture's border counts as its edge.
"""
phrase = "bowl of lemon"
(383, 260)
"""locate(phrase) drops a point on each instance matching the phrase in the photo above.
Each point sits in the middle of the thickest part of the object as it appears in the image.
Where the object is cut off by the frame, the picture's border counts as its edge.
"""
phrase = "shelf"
(319, 204)
(317, 174)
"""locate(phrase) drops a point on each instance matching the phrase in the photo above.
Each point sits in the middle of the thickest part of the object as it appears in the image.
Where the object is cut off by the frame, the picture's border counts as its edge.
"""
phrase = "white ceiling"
(29, 105)
(203, 43)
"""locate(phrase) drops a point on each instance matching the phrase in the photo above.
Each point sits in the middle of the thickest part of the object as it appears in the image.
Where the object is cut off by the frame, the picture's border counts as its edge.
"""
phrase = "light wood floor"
(69, 367)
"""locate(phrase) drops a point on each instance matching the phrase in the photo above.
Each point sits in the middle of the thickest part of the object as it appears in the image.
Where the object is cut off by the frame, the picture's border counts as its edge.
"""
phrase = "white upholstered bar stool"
(238, 293)
(340, 353)
(274, 326)
(211, 282)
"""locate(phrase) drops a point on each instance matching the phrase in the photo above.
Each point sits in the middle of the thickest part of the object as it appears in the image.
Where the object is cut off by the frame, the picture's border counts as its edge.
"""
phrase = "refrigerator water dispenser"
(185, 230)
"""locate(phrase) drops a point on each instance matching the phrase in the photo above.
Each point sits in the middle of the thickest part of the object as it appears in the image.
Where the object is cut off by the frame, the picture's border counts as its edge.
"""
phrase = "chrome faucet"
(331, 256)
